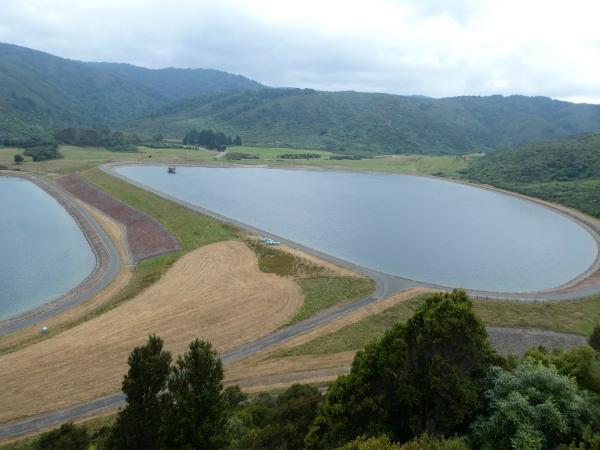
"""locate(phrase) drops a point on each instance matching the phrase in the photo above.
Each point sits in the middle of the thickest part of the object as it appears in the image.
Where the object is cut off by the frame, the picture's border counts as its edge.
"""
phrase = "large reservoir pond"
(419, 228)
(43, 252)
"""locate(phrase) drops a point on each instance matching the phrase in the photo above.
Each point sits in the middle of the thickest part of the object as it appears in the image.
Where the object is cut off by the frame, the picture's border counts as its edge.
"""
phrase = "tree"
(533, 407)
(237, 141)
(19, 158)
(285, 425)
(581, 363)
(424, 442)
(138, 423)
(233, 396)
(158, 137)
(594, 339)
(422, 376)
(67, 437)
(194, 409)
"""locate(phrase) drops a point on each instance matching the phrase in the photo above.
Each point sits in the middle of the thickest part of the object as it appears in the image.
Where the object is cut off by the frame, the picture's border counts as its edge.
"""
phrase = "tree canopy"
(138, 423)
(533, 407)
(422, 376)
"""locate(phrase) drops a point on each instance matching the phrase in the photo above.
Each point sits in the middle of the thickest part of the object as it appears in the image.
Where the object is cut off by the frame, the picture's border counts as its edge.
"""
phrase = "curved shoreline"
(108, 262)
(584, 285)
(384, 286)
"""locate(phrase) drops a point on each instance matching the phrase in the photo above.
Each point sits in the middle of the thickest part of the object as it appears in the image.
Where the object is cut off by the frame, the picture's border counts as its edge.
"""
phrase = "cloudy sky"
(436, 48)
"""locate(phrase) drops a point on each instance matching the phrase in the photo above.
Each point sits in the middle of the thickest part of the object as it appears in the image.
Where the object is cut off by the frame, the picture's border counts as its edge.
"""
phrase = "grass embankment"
(321, 288)
(192, 229)
(577, 317)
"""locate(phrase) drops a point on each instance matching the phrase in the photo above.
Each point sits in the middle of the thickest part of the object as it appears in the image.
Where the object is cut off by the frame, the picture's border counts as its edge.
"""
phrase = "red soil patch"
(146, 236)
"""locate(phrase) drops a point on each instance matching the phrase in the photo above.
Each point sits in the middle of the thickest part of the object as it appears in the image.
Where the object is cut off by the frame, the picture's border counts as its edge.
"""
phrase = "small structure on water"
(171, 170)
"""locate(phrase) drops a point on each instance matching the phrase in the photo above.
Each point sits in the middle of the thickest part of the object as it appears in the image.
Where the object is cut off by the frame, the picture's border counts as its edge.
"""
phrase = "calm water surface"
(43, 252)
(419, 228)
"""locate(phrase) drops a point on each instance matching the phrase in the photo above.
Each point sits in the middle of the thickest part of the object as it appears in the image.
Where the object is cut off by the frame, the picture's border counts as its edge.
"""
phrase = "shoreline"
(584, 285)
(106, 267)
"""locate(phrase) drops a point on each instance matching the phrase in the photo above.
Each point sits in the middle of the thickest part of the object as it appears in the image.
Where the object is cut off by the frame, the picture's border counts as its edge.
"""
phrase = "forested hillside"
(39, 91)
(173, 83)
(355, 122)
(565, 170)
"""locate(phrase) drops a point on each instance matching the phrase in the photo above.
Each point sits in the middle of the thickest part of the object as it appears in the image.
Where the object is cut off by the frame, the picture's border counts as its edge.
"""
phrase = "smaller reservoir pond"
(424, 229)
(43, 252)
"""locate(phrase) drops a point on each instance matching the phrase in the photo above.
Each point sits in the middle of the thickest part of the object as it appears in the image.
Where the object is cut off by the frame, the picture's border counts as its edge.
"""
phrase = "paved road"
(384, 286)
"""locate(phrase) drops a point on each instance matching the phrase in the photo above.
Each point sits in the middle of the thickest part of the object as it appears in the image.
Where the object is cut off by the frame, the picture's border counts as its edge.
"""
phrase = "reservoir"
(424, 229)
(43, 252)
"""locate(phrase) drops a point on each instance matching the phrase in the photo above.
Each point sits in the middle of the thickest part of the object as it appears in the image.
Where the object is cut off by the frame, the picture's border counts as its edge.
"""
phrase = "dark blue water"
(419, 228)
(43, 253)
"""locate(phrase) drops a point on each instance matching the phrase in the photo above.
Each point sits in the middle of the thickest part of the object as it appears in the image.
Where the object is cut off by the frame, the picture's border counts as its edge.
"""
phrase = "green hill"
(376, 123)
(39, 91)
(564, 170)
(175, 83)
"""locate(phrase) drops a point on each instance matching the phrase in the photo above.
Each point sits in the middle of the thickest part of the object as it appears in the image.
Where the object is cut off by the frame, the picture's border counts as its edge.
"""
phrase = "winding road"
(385, 285)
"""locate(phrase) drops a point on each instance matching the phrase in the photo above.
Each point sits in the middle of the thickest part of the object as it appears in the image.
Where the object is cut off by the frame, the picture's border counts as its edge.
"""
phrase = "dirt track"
(196, 298)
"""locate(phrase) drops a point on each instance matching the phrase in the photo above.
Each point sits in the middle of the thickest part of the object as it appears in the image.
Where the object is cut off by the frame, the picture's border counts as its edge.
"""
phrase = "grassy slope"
(565, 170)
(320, 287)
(571, 317)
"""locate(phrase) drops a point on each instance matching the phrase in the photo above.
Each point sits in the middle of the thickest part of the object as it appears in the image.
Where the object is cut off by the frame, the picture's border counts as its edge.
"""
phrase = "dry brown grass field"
(216, 292)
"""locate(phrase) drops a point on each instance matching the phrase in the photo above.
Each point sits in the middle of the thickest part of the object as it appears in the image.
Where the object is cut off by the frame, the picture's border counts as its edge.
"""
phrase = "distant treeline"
(212, 140)
(300, 156)
(113, 140)
(25, 143)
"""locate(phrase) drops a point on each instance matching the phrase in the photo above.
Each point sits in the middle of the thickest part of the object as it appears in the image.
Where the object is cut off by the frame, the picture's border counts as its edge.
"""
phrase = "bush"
(239, 155)
(19, 158)
(43, 152)
(351, 157)
(300, 156)
(533, 407)
(67, 437)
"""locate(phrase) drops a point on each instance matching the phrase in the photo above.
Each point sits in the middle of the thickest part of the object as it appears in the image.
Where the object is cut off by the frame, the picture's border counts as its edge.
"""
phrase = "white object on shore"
(268, 241)
(44, 330)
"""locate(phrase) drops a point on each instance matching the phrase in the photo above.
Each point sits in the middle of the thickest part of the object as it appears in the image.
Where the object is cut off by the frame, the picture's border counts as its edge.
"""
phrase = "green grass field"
(579, 317)
(321, 288)
(77, 159)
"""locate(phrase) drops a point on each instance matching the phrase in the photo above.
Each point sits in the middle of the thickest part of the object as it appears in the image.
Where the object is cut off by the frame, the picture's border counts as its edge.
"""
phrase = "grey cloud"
(230, 35)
